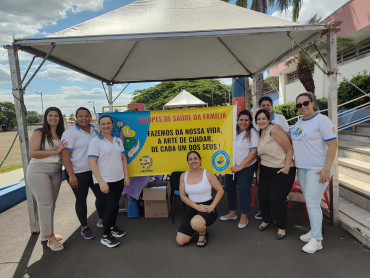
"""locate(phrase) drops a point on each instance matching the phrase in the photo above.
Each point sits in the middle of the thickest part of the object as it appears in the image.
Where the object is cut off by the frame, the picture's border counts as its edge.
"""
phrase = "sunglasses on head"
(305, 103)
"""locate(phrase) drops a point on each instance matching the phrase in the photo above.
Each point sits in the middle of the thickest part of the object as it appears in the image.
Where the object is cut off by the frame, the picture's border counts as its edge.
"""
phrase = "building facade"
(355, 18)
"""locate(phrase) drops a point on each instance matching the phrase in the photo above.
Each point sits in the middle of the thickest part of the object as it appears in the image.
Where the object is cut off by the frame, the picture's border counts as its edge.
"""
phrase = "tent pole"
(333, 115)
(110, 97)
(21, 112)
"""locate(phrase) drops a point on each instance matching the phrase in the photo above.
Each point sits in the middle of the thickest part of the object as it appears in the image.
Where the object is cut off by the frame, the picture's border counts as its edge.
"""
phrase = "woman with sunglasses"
(245, 166)
(44, 173)
(315, 145)
(108, 164)
(276, 173)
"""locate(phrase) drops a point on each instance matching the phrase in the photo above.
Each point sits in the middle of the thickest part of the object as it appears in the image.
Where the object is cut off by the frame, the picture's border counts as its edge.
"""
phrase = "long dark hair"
(249, 129)
(45, 130)
(267, 114)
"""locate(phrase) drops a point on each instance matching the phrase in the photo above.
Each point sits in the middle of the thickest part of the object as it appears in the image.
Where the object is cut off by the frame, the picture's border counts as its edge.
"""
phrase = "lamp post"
(42, 102)
(93, 103)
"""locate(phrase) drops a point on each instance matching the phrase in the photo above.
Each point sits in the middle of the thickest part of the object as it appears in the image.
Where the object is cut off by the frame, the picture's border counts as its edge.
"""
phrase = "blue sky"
(66, 89)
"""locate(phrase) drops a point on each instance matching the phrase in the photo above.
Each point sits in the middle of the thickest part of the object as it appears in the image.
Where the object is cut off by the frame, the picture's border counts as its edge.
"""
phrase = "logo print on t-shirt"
(298, 132)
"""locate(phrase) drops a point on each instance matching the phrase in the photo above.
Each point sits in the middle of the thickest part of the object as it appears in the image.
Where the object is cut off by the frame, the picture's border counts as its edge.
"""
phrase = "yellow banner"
(157, 142)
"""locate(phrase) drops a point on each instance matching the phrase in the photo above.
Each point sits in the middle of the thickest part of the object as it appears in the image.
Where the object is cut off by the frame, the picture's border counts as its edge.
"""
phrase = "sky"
(64, 88)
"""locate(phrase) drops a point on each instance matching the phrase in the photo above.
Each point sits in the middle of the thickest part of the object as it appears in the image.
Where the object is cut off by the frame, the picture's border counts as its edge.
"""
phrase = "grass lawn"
(14, 160)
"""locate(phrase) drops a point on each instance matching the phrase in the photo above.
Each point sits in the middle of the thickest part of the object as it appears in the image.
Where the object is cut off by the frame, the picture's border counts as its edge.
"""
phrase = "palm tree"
(305, 66)
(261, 6)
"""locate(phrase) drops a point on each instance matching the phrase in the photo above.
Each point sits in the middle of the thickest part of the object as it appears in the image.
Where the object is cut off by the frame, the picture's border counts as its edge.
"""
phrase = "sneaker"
(306, 237)
(258, 216)
(312, 246)
(99, 224)
(87, 234)
(109, 241)
(117, 232)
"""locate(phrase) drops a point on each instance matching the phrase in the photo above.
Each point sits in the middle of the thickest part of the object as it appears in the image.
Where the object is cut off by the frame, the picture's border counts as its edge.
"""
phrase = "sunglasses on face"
(305, 103)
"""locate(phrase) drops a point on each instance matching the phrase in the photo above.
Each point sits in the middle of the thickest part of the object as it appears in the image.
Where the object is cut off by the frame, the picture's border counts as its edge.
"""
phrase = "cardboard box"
(156, 196)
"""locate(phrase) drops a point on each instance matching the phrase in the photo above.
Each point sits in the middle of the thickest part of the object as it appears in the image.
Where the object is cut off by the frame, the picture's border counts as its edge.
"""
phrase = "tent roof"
(184, 99)
(155, 40)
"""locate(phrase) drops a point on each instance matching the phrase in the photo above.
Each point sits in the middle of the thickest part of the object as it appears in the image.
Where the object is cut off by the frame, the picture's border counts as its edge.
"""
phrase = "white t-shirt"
(243, 146)
(109, 158)
(78, 143)
(276, 119)
(309, 137)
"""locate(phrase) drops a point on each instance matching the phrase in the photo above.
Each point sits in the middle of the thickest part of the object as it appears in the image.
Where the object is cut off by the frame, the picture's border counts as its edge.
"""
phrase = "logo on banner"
(146, 162)
(220, 160)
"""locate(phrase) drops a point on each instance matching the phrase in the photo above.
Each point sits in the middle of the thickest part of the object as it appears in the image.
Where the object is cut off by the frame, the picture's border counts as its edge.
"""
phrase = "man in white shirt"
(265, 103)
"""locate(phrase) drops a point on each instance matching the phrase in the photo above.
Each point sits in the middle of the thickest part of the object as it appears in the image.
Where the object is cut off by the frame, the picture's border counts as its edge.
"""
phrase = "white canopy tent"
(161, 40)
(157, 40)
(184, 99)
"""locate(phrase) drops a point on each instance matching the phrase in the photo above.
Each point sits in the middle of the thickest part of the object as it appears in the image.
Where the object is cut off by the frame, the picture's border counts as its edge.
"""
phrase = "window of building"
(353, 52)
(293, 76)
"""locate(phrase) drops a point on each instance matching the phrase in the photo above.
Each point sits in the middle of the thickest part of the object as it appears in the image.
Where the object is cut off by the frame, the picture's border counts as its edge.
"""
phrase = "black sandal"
(204, 241)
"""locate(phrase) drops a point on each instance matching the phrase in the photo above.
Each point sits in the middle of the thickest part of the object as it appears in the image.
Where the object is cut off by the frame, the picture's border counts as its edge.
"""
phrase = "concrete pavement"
(11, 177)
(149, 248)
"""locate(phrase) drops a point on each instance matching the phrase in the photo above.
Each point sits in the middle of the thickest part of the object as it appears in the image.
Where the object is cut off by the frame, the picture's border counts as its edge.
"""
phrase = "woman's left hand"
(324, 175)
(126, 181)
(284, 170)
(235, 169)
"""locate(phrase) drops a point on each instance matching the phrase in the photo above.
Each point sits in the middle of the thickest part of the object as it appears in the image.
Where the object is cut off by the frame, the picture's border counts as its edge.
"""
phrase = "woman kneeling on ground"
(196, 192)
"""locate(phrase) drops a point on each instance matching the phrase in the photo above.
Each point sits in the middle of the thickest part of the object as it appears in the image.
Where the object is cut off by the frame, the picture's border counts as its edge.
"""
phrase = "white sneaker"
(312, 246)
(306, 237)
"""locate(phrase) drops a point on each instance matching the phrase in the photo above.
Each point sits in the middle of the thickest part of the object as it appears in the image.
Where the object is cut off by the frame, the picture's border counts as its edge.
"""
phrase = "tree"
(7, 114)
(33, 117)
(72, 118)
(346, 91)
(210, 91)
(261, 6)
(305, 66)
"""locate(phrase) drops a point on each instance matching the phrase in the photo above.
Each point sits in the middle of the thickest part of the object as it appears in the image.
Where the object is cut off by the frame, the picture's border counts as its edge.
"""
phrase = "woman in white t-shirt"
(78, 172)
(245, 166)
(108, 164)
(196, 192)
(44, 172)
(315, 145)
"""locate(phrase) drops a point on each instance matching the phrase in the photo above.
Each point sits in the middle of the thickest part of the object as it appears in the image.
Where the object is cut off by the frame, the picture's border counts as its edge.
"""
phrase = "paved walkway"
(149, 249)
(11, 177)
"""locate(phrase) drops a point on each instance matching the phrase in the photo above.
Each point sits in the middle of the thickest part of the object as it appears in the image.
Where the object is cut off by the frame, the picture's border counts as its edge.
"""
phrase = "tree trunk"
(304, 73)
(257, 90)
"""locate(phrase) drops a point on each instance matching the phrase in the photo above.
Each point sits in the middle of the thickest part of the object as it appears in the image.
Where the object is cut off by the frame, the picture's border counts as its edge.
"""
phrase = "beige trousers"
(44, 180)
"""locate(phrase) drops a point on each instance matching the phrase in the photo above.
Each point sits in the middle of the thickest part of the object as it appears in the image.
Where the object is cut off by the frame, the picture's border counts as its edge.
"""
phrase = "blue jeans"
(244, 179)
(312, 192)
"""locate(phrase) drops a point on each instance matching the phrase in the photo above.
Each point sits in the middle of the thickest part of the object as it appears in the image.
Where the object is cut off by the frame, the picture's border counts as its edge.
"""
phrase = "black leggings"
(84, 182)
(111, 202)
(272, 192)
